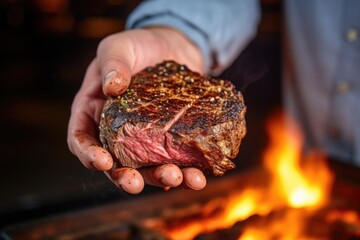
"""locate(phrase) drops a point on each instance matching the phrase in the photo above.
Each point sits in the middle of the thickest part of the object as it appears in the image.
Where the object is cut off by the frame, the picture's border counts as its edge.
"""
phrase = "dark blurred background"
(45, 48)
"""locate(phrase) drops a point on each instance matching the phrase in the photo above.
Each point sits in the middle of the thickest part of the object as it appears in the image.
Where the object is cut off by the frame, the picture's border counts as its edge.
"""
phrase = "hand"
(119, 56)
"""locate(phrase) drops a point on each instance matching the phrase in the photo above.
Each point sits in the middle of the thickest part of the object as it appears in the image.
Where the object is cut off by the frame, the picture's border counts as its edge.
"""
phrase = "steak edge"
(170, 114)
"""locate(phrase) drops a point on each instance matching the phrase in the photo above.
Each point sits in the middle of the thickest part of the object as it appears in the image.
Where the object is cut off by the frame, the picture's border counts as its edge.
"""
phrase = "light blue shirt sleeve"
(221, 29)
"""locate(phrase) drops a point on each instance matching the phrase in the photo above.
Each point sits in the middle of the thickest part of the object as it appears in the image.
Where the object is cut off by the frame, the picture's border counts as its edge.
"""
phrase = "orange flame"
(243, 205)
(299, 185)
(297, 182)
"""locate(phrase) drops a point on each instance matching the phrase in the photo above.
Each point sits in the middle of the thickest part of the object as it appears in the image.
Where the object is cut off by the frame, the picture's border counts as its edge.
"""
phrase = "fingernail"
(112, 76)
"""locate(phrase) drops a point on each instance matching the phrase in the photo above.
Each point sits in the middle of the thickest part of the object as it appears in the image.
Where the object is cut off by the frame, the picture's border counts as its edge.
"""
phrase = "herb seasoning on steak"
(170, 114)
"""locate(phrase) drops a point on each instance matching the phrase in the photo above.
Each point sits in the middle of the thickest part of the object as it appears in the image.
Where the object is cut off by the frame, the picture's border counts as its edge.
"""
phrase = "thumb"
(114, 61)
(123, 54)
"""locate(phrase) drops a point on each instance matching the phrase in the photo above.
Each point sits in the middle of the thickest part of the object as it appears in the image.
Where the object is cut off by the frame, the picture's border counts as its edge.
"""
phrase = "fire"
(298, 183)
(244, 205)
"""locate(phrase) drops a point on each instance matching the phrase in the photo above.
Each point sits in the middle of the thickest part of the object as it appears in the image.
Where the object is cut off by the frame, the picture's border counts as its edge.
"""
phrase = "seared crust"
(204, 112)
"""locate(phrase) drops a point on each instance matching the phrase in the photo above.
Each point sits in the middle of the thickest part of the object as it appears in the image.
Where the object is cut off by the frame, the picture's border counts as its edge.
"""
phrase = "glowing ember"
(288, 225)
(346, 216)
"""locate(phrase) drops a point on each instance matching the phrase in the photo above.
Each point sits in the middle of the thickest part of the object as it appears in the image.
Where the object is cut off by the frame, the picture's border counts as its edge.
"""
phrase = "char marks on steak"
(170, 114)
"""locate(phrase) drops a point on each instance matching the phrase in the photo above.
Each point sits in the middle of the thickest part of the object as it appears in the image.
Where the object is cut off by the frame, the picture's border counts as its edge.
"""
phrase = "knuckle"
(105, 42)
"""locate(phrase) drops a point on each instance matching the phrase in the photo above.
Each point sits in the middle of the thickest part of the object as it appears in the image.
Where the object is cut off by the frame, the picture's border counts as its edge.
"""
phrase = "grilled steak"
(170, 114)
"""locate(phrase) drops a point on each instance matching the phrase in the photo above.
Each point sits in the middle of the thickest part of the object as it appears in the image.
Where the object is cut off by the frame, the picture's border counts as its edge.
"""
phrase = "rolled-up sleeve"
(221, 29)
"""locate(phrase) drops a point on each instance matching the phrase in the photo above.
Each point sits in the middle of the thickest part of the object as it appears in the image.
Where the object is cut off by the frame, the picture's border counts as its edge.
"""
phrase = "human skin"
(119, 56)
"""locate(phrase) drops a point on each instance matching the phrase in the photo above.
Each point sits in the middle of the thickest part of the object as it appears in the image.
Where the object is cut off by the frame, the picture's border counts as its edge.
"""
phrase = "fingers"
(116, 78)
(83, 143)
(82, 129)
(169, 175)
(87, 149)
(82, 140)
(194, 178)
(129, 179)
(114, 59)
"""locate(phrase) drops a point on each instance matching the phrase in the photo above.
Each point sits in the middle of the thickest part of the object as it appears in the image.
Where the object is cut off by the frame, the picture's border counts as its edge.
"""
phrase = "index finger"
(82, 129)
